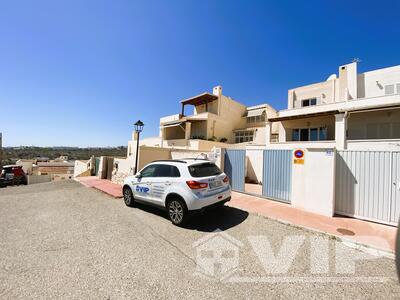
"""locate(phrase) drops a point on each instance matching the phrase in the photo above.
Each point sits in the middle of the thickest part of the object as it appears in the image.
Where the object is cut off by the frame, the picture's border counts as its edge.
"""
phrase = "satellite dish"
(332, 77)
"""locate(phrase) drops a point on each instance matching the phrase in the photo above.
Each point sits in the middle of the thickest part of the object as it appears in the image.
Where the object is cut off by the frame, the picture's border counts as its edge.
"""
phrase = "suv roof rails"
(170, 160)
(195, 158)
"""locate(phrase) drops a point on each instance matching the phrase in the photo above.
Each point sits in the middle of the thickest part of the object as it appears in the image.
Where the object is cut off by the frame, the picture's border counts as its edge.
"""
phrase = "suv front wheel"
(128, 196)
(177, 212)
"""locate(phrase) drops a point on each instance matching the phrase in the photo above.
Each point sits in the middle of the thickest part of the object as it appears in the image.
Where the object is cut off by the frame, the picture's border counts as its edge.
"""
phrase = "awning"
(255, 112)
(304, 116)
(200, 99)
(172, 125)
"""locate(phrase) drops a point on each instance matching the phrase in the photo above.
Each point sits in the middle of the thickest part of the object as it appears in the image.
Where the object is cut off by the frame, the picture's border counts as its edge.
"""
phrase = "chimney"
(217, 90)
(348, 81)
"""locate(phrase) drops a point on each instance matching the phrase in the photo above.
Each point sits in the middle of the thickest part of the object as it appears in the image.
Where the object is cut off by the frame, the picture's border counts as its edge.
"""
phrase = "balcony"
(338, 107)
(171, 118)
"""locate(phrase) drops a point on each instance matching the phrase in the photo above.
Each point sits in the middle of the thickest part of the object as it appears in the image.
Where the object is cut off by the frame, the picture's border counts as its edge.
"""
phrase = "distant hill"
(12, 154)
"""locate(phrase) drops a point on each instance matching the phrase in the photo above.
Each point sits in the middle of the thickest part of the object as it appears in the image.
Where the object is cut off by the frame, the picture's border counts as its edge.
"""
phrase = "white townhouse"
(351, 110)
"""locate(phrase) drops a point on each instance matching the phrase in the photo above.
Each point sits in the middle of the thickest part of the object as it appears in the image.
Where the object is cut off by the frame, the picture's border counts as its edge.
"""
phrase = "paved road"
(65, 240)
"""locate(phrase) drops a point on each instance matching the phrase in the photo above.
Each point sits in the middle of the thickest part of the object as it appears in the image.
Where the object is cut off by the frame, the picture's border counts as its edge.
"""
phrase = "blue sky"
(80, 73)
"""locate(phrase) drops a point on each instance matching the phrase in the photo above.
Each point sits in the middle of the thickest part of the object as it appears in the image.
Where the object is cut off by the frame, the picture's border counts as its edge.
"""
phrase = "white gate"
(368, 185)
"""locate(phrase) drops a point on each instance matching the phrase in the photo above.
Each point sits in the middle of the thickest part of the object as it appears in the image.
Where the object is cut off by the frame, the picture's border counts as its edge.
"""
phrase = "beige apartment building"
(350, 110)
(214, 120)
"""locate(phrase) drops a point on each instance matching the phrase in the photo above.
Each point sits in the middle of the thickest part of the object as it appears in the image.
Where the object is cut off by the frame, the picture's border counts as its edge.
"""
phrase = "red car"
(12, 175)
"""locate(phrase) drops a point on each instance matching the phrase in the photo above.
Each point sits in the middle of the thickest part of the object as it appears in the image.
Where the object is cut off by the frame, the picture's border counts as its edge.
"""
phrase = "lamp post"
(138, 129)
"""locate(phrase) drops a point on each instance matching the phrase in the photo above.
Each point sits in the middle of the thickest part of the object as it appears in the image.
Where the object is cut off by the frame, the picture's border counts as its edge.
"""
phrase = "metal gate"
(96, 166)
(277, 174)
(367, 185)
(234, 167)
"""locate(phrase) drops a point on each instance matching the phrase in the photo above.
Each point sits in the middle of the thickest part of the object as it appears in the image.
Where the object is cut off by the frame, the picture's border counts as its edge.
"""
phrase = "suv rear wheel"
(177, 211)
(128, 196)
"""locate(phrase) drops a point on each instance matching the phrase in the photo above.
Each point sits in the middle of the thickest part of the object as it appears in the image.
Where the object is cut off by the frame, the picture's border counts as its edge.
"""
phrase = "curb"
(369, 249)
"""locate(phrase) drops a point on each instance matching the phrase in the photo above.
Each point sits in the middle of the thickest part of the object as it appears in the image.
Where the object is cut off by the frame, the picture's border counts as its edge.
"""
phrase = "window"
(313, 134)
(295, 134)
(372, 131)
(310, 134)
(323, 134)
(396, 130)
(204, 170)
(148, 171)
(389, 89)
(166, 171)
(383, 131)
(309, 102)
(256, 119)
(304, 134)
(398, 88)
(244, 136)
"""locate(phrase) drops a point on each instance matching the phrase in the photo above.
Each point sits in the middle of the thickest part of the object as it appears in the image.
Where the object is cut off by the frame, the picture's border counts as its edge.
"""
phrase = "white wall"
(33, 179)
(80, 167)
(372, 84)
(27, 166)
(374, 145)
(313, 183)
(254, 165)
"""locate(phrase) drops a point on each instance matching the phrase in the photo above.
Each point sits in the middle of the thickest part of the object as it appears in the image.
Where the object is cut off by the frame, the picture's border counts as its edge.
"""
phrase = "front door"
(165, 176)
(234, 167)
(142, 188)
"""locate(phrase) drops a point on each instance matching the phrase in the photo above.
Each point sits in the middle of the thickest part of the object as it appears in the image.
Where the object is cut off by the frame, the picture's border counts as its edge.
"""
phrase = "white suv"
(181, 187)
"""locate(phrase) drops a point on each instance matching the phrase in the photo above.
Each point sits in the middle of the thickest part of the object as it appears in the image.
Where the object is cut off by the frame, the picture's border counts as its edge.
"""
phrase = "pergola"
(204, 98)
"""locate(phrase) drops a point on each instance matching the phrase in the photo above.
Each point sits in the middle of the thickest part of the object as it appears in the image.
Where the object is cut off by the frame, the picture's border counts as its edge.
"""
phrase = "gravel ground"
(64, 240)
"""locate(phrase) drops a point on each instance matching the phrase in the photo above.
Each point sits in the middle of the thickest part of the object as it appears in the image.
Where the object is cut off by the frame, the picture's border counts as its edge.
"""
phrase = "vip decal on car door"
(143, 186)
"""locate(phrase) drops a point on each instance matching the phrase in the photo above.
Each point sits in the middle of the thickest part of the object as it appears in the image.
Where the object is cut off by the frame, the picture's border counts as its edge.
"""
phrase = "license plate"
(215, 184)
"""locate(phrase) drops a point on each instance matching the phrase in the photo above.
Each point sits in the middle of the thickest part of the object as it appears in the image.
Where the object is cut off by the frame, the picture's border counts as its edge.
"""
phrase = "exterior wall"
(150, 142)
(80, 167)
(259, 136)
(313, 183)
(230, 118)
(171, 118)
(348, 86)
(301, 145)
(371, 84)
(49, 170)
(149, 154)
(27, 166)
(33, 179)
(254, 165)
(374, 145)
(61, 176)
(122, 168)
(340, 89)
(325, 92)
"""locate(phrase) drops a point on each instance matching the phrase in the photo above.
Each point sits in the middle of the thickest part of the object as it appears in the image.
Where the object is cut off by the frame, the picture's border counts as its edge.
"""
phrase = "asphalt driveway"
(62, 239)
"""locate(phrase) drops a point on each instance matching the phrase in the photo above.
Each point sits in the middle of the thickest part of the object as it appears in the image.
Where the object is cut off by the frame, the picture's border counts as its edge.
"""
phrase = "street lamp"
(138, 128)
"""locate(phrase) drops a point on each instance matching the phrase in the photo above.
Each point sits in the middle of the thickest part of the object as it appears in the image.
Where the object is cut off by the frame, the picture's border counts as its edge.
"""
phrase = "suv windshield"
(204, 170)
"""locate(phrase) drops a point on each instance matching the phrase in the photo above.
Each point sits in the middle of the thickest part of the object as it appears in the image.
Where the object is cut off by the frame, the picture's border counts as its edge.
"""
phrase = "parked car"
(12, 175)
(181, 187)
